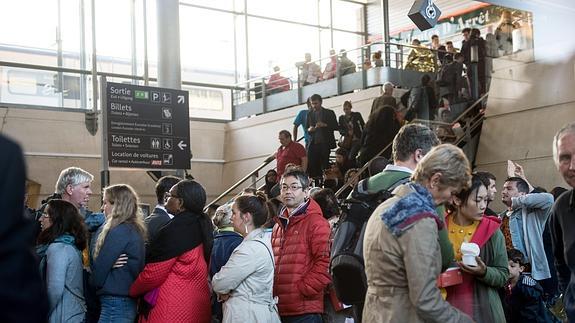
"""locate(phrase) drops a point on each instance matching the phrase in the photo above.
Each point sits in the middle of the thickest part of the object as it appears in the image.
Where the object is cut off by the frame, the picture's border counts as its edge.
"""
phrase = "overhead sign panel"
(147, 127)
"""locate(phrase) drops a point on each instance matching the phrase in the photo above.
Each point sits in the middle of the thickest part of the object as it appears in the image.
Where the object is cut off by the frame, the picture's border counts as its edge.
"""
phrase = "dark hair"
(449, 42)
(192, 194)
(274, 205)
(285, 133)
(65, 218)
(250, 190)
(521, 184)
(347, 103)
(327, 202)
(557, 191)
(193, 197)
(341, 151)
(425, 79)
(412, 137)
(463, 195)
(485, 177)
(434, 36)
(516, 256)
(415, 40)
(163, 185)
(466, 30)
(475, 32)
(316, 97)
(377, 165)
(458, 55)
(256, 206)
(300, 175)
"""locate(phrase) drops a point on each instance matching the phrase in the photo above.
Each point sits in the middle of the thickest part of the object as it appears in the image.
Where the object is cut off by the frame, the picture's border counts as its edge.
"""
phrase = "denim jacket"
(534, 210)
(64, 282)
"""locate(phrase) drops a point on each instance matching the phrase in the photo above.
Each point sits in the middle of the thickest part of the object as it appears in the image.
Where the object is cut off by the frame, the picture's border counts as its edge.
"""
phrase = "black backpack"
(347, 266)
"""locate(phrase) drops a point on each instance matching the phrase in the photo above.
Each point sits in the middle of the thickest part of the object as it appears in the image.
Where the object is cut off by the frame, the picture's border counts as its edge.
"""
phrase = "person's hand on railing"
(270, 158)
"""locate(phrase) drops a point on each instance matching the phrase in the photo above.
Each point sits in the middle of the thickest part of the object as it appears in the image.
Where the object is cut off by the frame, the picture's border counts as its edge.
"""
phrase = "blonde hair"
(450, 161)
(125, 209)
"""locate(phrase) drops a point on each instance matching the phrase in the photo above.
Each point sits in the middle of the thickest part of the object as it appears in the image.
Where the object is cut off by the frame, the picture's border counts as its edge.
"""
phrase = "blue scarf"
(65, 238)
(411, 208)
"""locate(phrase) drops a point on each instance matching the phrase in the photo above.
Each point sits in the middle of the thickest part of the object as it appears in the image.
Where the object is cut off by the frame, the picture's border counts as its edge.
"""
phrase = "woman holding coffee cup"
(480, 251)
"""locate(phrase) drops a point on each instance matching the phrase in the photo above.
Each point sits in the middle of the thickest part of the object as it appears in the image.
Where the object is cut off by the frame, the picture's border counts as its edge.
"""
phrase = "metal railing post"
(400, 47)
(338, 75)
(299, 86)
(363, 70)
(264, 96)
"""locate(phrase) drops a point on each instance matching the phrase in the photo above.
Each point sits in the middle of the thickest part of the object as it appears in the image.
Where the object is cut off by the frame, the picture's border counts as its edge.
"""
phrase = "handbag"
(151, 297)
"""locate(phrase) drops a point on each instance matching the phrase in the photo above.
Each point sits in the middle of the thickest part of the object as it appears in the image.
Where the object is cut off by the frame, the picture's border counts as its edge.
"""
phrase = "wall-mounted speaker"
(424, 14)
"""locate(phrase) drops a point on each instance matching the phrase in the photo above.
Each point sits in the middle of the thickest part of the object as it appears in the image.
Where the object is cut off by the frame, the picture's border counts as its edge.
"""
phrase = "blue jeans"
(117, 309)
(305, 318)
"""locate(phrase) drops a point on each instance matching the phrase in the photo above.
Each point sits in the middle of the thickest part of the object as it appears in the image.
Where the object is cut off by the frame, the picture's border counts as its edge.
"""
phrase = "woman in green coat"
(477, 294)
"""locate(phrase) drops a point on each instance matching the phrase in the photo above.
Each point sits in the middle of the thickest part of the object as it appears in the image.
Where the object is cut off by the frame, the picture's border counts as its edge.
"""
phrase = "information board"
(147, 127)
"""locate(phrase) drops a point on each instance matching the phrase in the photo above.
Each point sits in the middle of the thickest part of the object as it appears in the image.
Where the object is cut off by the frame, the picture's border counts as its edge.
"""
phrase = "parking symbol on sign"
(156, 97)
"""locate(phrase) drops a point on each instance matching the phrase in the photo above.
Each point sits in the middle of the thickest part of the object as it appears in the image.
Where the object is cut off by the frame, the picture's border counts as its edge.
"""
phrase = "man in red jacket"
(300, 241)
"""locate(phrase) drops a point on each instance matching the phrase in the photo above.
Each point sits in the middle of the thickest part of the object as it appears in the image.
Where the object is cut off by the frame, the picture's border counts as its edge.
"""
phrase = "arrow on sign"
(182, 145)
(181, 99)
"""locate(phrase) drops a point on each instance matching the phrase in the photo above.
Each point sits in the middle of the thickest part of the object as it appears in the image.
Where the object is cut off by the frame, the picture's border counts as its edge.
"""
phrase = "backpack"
(347, 266)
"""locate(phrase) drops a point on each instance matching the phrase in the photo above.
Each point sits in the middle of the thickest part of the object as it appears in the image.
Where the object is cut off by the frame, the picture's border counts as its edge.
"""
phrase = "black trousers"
(318, 159)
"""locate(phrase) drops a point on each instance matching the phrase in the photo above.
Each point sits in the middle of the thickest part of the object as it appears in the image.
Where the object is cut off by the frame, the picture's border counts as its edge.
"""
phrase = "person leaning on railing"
(277, 83)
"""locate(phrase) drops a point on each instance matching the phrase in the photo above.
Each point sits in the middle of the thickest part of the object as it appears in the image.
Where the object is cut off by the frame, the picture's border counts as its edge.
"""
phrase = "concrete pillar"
(169, 69)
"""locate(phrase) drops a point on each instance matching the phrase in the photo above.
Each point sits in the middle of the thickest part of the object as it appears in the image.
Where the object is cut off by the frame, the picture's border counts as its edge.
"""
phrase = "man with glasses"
(300, 241)
(159, 217)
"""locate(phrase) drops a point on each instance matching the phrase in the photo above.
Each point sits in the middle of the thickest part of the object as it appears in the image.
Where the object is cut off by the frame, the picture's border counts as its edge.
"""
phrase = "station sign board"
(147, 127)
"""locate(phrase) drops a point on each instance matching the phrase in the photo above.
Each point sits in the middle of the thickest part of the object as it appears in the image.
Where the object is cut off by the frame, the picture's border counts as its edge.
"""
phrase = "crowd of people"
(433, 250)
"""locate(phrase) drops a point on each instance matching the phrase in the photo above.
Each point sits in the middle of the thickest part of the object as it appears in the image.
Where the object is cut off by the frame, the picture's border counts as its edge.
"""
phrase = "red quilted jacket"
(184, 294)
(301, 250)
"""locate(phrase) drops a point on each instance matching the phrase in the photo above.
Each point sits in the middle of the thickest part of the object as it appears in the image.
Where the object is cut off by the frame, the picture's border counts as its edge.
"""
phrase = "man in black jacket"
(321, 123)
(562, 218)
(23, 298)
(160, 216)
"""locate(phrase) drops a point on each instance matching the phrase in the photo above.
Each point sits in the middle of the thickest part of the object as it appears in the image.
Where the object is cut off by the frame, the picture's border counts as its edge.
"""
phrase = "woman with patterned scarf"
(63, 236)
(401, 243)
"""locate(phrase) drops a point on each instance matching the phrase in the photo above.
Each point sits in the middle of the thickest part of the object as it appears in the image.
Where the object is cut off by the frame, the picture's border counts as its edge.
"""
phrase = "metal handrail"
(266, 162)
(319, 60)
(107, 74)
(362, 169)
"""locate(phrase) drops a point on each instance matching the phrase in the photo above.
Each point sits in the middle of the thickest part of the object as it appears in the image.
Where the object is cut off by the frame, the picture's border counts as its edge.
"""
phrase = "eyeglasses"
(168, 195)
(292, 188)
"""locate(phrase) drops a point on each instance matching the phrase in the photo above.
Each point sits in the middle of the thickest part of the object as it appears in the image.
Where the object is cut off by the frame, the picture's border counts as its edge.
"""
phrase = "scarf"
(43, 248)
(468, 296)
(411, 208)
(182, 234)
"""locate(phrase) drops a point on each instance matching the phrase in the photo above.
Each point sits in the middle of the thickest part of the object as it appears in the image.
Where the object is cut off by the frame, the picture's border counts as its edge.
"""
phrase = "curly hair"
(65, 218)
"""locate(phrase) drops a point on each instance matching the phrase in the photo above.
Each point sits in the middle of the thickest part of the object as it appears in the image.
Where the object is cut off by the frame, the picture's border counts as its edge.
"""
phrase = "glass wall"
(224, 42)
